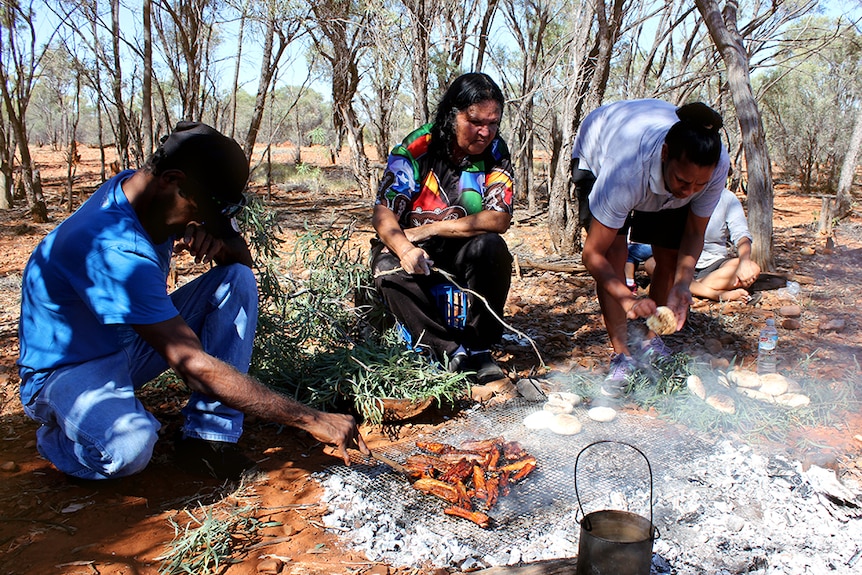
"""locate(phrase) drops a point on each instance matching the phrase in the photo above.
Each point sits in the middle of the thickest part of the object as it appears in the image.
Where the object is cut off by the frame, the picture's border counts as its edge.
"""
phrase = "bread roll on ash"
(602, 414)
(565, 424)
(663, 321)
(539, 420)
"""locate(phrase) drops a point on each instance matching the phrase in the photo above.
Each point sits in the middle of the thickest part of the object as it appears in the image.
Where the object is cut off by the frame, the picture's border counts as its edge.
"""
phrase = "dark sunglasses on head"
(230, 209)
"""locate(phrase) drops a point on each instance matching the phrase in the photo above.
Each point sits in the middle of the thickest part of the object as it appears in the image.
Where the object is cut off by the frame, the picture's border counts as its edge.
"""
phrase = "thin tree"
(528, 20)
(724, 31)
(147, 81)
(339, 36)
(285, 30)
(590, 72)
(421, 23)
(19, 61)
(121, 126)
(842, 206)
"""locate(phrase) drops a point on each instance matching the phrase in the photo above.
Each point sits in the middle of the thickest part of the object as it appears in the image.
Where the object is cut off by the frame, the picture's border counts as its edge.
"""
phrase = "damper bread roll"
(565, 424)
(539, 420)
(663, 321)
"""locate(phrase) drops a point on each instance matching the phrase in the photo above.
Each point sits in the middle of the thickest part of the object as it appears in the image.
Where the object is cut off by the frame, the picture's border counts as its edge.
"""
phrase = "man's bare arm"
(177, 343)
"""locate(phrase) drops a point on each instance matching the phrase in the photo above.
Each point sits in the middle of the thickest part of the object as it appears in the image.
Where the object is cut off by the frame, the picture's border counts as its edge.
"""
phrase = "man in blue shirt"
(97, 321)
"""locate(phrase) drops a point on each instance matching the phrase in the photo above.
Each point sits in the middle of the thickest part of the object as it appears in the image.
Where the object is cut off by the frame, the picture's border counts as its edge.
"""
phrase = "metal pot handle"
(649, 468)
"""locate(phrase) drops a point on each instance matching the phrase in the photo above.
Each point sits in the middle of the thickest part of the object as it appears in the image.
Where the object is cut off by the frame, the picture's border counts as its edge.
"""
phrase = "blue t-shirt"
(91, 277)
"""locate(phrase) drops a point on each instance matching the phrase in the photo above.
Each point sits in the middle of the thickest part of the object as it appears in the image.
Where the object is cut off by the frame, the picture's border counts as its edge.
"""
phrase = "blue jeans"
(93, 426)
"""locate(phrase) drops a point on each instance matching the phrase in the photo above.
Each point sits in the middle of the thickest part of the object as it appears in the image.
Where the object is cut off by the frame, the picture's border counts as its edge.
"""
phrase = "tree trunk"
(844, 200)
(421, 37)
(342, 51)
(267, 69)
(725, 35)
(589, 74)
(72, 156)
(147, 82)
(482, 46)
(236, 69)
(7, 155)
(122, 133)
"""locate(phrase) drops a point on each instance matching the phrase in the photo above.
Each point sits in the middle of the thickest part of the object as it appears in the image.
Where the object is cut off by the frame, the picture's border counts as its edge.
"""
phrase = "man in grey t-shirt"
(656, 170)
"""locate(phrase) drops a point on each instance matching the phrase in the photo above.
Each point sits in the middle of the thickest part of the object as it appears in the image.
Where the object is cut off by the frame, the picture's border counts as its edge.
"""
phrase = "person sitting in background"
(97, 321)
(639, 254)
(719, 275)
(445, 199)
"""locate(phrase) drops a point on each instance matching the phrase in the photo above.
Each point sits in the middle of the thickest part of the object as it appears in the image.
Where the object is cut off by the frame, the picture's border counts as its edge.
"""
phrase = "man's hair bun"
(700, 115)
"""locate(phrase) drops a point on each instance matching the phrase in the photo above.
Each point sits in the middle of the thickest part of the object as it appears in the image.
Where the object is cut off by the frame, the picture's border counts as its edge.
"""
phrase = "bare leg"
(630, 272)
(612, 311)
(663, 274)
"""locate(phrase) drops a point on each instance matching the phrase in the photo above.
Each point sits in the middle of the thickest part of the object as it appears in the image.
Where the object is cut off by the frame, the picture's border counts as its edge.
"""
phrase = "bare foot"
(735, 295)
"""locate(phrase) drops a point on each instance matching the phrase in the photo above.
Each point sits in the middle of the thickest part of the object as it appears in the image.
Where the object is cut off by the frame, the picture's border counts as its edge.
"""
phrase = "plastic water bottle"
(766, 360)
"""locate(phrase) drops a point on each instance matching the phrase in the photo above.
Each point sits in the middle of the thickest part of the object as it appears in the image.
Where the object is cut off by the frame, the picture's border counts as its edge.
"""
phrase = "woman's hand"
(415, 260)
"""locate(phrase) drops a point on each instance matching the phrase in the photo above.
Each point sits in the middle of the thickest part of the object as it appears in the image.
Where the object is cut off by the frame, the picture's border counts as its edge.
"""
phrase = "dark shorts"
(703, 272)
(662, 229)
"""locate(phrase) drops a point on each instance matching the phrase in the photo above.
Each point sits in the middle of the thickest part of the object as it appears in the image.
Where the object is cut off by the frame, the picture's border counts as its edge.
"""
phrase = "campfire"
(719, 507)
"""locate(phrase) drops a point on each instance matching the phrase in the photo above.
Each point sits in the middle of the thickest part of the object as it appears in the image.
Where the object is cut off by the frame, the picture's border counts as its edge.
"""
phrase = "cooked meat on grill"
(476, 517)
(478, 469)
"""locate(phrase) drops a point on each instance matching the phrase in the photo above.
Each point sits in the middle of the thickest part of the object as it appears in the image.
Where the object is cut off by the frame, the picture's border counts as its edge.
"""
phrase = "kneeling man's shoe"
(486, 368)
(218, 459)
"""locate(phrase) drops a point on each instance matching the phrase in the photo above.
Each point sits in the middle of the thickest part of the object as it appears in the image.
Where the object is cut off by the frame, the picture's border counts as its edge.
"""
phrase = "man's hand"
(200, 243)
(679, 300)
(643, 307)
(340, 431)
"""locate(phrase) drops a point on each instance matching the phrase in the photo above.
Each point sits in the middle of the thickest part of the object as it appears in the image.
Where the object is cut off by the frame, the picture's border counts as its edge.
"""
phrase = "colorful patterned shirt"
(422, 187)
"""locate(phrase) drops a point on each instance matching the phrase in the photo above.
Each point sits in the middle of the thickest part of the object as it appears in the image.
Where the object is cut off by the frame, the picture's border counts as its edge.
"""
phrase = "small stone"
(481, 393)
(695, 386)
(270, 566)
(719, 363)
(531, 389)
(790, 311)
(832, 325)
(30, 444)
(378, 569)
(807, 251)
(713, 346)
(9, 466)
(288, 530)
(791, 324)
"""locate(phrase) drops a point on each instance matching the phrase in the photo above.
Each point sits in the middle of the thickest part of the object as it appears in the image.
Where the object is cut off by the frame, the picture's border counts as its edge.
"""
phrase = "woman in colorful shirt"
(444, 201)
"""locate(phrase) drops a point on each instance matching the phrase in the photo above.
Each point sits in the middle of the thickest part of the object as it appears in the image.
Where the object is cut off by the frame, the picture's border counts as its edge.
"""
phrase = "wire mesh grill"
(545, 501)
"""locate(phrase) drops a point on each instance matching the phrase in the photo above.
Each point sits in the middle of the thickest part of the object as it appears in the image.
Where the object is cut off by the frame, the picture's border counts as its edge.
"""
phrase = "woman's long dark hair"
(465, 90)
(696, 135)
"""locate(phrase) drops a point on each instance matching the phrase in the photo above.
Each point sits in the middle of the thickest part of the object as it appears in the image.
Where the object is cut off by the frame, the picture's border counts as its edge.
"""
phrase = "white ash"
(732, 511)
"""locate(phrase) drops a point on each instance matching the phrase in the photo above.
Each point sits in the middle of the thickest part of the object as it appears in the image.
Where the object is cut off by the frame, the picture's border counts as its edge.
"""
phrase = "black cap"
(215, 162)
